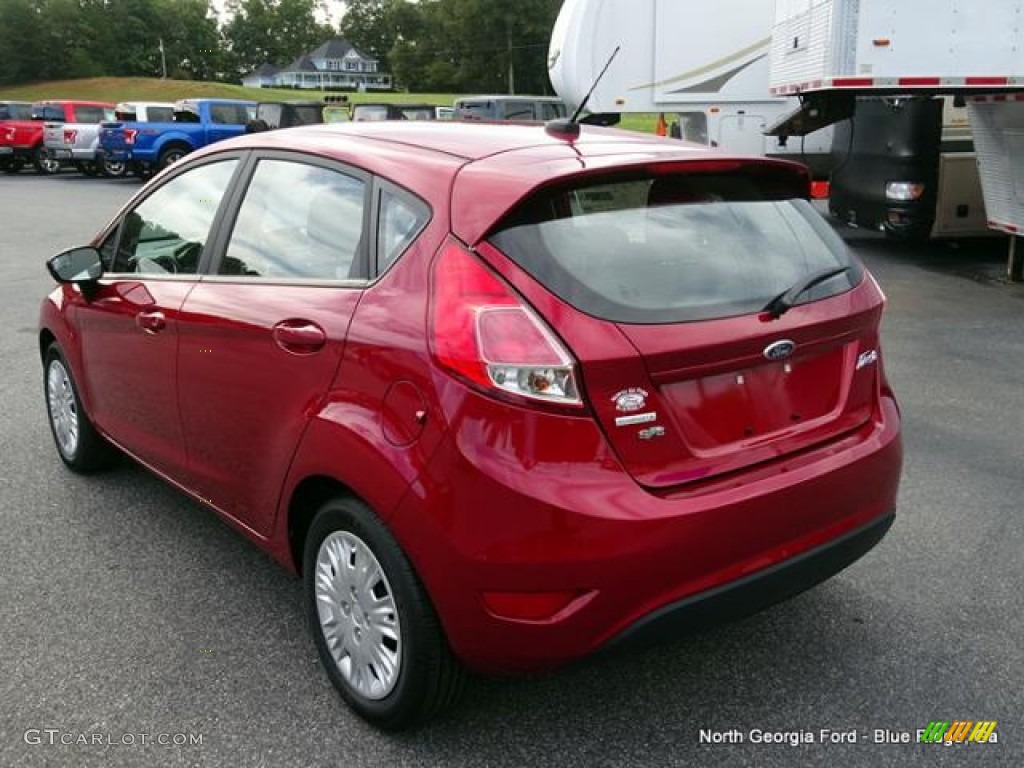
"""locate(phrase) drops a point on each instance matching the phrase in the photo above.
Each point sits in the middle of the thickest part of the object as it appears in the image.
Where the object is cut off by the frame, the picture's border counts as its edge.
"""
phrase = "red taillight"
(482, 331)
(129, 135)
(69, 136)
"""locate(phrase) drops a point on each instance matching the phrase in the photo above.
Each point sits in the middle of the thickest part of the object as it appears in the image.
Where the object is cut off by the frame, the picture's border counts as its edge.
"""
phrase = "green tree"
(469, 45)
(275, 31)
(22, 48)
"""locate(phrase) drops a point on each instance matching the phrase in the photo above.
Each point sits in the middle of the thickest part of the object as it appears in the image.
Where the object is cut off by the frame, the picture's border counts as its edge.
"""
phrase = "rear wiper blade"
(786, 300)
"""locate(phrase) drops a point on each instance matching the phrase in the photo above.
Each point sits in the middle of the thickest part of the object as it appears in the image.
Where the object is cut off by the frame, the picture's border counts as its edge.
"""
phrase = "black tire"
(87, 168)
(171, 155)
(113, 169)
(427, 679)
(89, 451)
(46, 165)
(257, 126)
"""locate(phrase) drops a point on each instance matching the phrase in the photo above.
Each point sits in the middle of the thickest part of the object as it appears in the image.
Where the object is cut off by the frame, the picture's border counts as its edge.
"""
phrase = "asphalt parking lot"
(130, 612)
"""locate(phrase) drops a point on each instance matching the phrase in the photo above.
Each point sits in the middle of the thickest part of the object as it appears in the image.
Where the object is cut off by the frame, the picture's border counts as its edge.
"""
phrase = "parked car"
(78, 144)
(502, 395)
(152, 146)
(24, 138)
(519, 108)
(271, 115)
(129, 112)
(11, 110)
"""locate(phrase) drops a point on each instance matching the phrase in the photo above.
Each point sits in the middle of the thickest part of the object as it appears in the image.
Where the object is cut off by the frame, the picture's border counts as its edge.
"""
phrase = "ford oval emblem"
(779, 350)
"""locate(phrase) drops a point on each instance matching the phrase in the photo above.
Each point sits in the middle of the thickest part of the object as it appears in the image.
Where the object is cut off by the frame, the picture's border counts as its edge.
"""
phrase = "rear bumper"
(757, 591)
(115, 155)
(72, 155)
(541, 505)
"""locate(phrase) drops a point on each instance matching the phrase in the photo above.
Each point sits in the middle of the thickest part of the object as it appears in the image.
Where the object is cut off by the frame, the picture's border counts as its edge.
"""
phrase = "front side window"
(675, 248)
(297, 222)
(166, 234)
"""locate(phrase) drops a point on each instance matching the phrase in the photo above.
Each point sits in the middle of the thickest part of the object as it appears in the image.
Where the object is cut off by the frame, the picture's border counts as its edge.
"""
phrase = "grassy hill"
(116, 89)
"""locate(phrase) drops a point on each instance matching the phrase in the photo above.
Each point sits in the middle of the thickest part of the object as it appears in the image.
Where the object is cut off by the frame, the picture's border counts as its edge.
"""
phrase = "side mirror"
(78, 265)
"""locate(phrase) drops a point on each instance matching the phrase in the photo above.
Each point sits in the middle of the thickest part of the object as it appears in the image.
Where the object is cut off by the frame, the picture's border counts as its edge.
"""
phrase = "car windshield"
(675, 248)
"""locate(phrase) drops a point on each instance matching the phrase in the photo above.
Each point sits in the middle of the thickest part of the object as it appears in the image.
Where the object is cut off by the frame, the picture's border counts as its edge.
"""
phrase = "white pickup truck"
(78, 143)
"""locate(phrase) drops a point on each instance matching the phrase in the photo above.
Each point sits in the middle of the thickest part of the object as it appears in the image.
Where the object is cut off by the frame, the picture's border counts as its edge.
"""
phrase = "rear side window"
(271, 113)
(85, 114)
(305, 114)
(401, 219)
(674, 248)
(549, 110)
(229, 114)
(159, 114)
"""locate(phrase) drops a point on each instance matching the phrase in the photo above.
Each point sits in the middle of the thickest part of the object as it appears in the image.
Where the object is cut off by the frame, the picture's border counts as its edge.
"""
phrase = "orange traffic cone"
(661, 128)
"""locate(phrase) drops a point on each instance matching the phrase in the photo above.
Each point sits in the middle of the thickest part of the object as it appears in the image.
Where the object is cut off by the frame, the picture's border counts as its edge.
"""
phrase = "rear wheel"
(170, 156)
(79, 445)
(44, 162)
(87, 168)
(113, 169)
(11, 164)
(375, 629)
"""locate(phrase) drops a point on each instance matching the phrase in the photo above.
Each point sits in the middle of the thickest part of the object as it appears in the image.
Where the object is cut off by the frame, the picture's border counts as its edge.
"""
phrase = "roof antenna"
(571, 127)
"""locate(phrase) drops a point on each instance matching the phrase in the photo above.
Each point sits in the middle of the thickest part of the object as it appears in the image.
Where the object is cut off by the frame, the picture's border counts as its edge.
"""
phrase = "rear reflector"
(528, 606)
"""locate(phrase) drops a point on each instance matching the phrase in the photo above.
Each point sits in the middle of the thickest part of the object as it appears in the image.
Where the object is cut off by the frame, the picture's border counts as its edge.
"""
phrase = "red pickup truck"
(21, 141)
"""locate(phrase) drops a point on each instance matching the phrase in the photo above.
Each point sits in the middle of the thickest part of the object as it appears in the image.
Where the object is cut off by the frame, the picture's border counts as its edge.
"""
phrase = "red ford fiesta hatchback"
(503, 396)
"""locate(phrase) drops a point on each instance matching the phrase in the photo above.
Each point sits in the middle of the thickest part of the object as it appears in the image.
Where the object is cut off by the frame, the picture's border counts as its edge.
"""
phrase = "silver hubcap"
(63, 413)
(358, 615)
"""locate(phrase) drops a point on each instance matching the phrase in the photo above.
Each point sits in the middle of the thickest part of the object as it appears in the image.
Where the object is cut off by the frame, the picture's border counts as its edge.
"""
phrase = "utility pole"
(163, 59)
(511, 65)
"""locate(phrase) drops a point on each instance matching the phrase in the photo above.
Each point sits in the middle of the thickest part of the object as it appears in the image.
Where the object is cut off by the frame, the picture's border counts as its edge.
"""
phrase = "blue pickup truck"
(149, 146)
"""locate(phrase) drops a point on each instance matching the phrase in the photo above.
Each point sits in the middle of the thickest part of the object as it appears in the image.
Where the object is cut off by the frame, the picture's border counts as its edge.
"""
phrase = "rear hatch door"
(666, 275)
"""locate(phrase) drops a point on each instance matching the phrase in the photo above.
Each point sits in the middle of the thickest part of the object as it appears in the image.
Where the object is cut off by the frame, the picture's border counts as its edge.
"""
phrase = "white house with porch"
(335, 64)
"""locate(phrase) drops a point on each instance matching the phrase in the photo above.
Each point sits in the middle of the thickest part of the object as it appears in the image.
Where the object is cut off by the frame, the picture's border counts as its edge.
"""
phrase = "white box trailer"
(897, 46)
(704, 64)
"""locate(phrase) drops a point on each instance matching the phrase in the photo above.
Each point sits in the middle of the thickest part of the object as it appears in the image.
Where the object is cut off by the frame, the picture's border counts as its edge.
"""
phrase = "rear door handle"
(151, 322)
(300, 337)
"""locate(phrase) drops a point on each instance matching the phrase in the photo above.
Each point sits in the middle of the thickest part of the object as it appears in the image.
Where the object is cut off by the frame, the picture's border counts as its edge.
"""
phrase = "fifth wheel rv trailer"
(703, 65)
(830, 51)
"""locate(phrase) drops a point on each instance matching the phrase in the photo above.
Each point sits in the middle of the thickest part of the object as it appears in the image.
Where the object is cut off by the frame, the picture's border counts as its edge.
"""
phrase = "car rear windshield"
(674, 248)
